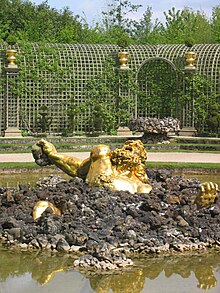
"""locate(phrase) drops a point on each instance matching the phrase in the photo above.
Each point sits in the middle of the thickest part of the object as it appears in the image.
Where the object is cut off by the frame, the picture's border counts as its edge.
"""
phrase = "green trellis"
(76, 64)
(158, 88)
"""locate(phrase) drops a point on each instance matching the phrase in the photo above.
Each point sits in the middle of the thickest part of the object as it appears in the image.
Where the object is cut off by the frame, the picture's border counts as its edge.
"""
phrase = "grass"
(77, 147)
(170, 165)
(180, 165)
(181, 151)
(18, 165)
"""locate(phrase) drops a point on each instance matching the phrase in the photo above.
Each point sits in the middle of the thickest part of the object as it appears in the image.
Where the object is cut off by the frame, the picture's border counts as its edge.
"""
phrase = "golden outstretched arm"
(45, 153)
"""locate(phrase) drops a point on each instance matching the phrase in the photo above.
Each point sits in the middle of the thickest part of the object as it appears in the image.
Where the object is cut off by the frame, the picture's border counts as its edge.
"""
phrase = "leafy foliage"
(213, 118)
(41, 23)
(109, 98)
(38, 23)
(199, 91)
(186, 24)
(47, 79)
(157, 89)
(215, 25)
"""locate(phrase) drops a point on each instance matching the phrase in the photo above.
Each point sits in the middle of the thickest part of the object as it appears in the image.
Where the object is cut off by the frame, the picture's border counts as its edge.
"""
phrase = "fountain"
(111, 210)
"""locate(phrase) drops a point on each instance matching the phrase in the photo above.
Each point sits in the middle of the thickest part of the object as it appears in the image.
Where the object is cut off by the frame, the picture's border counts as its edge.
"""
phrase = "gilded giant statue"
(120, 169)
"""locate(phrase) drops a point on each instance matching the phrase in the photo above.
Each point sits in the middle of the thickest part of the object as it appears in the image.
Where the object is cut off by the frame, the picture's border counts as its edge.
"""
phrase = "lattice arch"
(76, 64)
(157, 80)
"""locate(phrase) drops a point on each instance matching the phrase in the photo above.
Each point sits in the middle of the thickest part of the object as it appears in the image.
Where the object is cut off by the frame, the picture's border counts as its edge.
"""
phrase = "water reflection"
(203, 267)
(33, 271)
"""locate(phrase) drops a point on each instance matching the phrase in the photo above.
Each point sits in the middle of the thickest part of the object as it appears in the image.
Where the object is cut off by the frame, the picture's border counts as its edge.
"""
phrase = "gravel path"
(152, 157)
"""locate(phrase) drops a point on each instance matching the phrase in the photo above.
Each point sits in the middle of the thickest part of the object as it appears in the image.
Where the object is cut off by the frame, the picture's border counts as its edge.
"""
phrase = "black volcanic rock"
(107, 225)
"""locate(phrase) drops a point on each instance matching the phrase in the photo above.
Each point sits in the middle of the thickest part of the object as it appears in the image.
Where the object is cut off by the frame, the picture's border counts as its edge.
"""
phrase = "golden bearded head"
(132, 153)
(131, 157)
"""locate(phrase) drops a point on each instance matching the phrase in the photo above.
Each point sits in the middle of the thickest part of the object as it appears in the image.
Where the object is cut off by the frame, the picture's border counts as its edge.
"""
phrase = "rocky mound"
(154, 129)
(155, 125)
(108, 226)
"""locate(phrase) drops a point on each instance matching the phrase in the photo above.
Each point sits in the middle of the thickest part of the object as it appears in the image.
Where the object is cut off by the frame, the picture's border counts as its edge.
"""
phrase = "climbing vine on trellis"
(109, 97)
(199, 92)
(41, 82)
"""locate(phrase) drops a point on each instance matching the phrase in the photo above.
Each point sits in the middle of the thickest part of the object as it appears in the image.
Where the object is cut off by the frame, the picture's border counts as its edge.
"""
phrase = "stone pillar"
(188, 128)
(123, 96)
(11, 99)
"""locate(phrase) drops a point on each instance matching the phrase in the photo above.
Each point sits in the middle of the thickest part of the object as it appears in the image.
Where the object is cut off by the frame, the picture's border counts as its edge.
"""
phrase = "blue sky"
(91, 9)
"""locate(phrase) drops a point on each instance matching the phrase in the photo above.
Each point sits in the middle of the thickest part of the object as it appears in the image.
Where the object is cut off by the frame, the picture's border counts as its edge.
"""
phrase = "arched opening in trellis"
(158, 86)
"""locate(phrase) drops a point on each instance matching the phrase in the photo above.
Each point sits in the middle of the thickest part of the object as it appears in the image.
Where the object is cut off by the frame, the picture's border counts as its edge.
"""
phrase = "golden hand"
(46, 146)
(207, 194)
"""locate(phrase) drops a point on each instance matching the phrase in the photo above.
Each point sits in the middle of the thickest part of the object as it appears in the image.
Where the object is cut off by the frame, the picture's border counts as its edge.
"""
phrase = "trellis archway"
(158, 84)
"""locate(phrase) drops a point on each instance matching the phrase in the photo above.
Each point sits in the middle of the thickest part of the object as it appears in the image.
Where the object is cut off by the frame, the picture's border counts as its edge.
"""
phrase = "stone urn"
(123, 59)
(11, 57)
(190, 59)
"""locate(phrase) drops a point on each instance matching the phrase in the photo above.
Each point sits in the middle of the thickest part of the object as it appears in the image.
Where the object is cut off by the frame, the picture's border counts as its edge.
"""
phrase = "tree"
(4, 30)
(57, 26)
(181, 25)
(216, 23)
(69, 27)
(117, 22)
(11, 21)
(202, 30)
(147, 32)
(117, 15)
(39, 23)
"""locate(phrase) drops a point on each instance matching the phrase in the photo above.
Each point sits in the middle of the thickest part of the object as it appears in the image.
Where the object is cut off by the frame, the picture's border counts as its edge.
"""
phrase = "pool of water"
(215, 177)
(43, 272)
(13, 180)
